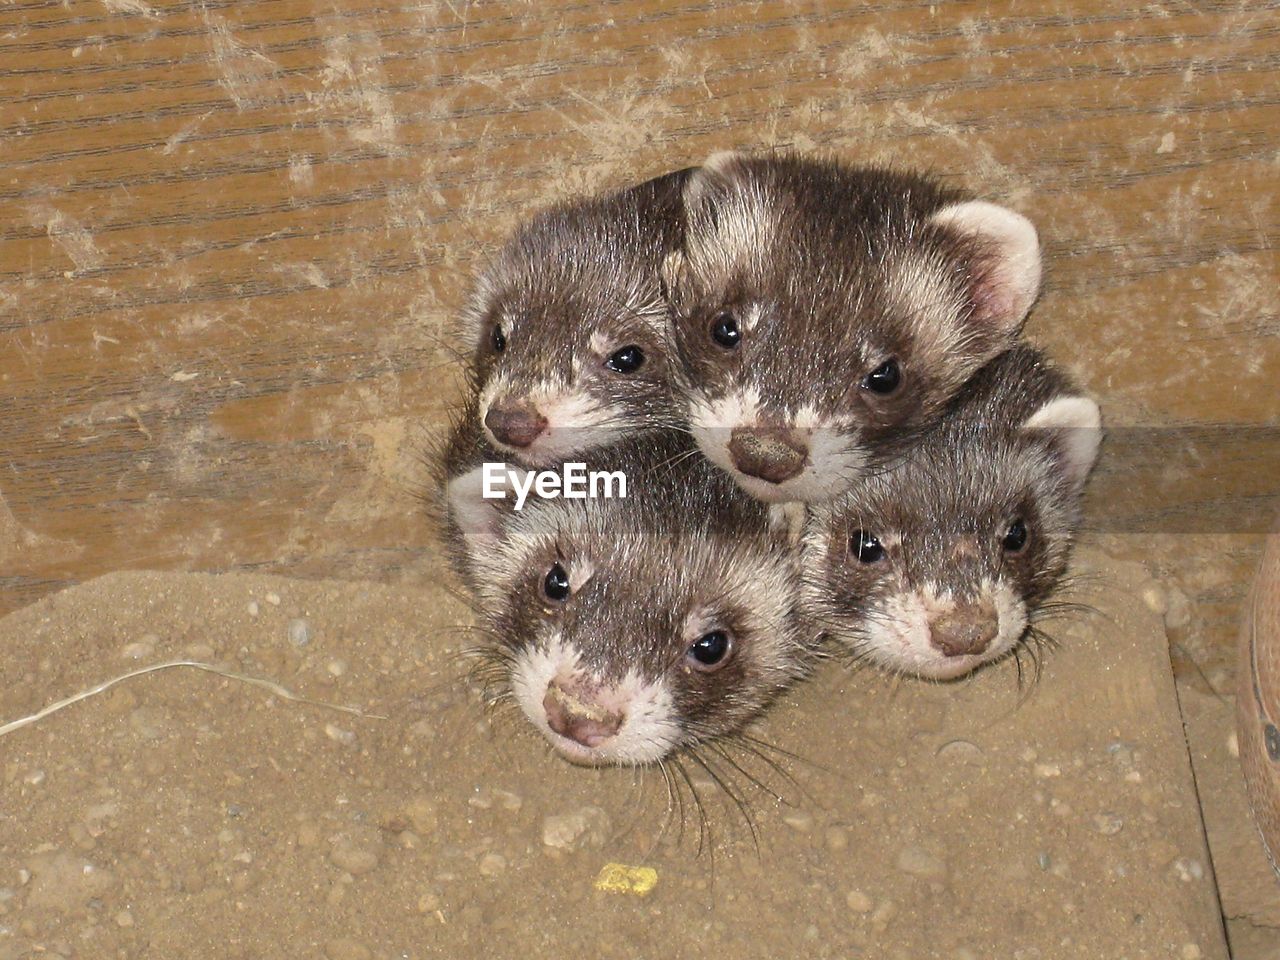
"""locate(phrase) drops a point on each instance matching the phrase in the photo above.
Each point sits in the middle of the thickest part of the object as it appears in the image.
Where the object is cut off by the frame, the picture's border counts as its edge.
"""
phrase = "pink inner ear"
(1006, 278)
(989, 293)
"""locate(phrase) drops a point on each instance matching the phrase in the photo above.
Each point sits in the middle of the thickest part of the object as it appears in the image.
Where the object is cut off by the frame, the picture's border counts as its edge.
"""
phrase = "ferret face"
(569, 329)
(625, 639)
(821, 314)
(935, 567)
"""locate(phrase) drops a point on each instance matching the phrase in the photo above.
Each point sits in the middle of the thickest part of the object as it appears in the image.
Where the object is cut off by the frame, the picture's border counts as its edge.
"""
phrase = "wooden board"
(231, 234)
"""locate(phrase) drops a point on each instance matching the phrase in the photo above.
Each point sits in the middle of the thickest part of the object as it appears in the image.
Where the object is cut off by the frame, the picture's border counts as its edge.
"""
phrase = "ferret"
(936, 566)
(627, 629)
(824, 313)
(568, 325)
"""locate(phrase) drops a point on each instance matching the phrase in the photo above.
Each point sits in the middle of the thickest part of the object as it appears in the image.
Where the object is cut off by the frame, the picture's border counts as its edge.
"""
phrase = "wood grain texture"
(231, 234)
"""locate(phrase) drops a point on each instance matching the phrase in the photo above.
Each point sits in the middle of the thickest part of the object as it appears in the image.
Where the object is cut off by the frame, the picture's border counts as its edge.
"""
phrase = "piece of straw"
(265, 684)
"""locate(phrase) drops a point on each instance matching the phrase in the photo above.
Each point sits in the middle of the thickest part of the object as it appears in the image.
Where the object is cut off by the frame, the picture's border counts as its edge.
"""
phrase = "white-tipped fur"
(600, 345)
(920, 287)
(833, 457)
(575, 421)
(1011, 617)
(744, 223)
(898, 633)
(713, 170)
(649, 728)
(1077, 425)
(1010, 282)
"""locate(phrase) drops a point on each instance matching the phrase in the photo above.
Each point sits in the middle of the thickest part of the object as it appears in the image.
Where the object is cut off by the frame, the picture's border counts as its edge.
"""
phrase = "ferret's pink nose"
(577, 719)
(966, 630)
(516, 425)
(771, 453)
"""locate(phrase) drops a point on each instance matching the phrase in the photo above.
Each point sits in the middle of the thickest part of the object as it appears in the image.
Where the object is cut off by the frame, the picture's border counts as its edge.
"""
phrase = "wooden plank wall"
(231, 232)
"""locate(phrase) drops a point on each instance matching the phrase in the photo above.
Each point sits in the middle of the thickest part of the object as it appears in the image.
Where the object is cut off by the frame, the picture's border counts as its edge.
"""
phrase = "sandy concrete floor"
(183, 813)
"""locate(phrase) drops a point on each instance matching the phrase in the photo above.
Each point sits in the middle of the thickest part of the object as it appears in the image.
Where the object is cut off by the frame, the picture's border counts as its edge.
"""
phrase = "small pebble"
(960, 751)
(1108, 824)
(588, 827)
(273, 599)
(1188, 869)
(883, 915)
(429, 902)
(139, 650)
(837, 838)
(299, 632)
(919, 862)
(356, 856)
(344, 948)
(859, 902)
(1043, 860)
(1122, 755)
(800, 820)
(1233, 748)
(123, 919)
(254, 609)
(493, 865)
(340, 735)
(34, 778)
(422, 813)
(336, 668)
(1047, 770)
(1156, 599)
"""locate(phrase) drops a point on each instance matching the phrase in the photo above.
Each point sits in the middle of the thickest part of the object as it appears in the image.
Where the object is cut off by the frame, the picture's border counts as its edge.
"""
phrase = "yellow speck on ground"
(620, 878)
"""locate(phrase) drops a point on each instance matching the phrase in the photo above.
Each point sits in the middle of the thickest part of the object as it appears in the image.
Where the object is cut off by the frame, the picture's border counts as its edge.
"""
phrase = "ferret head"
(569, 326)
(936, 567)
(822, 313)
(627, 633)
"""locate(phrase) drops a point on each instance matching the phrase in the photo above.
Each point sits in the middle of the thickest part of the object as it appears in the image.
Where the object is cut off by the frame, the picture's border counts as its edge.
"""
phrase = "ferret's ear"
(480, 500)
(1005, 275)
(1073, 426)
(713, 178)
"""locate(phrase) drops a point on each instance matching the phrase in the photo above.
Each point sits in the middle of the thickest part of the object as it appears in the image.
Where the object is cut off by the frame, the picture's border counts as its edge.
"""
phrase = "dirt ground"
(186, 813)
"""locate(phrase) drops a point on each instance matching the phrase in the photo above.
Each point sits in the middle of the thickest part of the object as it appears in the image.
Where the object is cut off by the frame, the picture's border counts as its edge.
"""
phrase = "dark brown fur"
(943, 511)
(842, 269)
(576, 275)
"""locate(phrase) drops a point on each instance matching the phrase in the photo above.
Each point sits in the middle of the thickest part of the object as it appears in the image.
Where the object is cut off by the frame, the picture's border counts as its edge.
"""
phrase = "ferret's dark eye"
(710, 651)
(556, 583)
(499, 341)
(865, 547)
(724, 329)
(627, 360)
(884, 379)
(1015, 538)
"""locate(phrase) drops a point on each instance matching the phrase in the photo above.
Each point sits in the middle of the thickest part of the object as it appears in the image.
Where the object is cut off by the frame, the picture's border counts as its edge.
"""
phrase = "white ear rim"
(719, 161)
(476, 516)
(711, 171)
(1077, 424)
(1015, 274)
